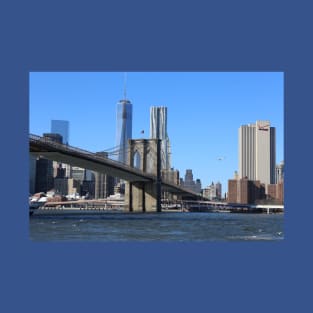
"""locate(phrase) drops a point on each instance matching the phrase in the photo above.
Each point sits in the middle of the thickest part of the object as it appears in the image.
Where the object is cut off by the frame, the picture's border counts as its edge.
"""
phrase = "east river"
(178, 226)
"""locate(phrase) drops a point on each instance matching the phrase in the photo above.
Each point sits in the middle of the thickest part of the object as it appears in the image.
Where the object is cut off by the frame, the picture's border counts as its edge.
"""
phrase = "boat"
(36, 203)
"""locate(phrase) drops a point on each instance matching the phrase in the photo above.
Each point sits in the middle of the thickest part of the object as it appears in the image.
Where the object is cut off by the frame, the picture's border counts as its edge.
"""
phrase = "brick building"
(245, 191)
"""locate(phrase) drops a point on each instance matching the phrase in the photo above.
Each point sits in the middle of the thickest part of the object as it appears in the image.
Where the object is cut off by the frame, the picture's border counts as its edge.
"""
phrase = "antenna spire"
(125, 81)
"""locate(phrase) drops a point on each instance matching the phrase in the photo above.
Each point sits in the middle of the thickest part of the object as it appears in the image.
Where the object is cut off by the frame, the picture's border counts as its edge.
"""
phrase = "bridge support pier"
(145, 155)
(142, 197)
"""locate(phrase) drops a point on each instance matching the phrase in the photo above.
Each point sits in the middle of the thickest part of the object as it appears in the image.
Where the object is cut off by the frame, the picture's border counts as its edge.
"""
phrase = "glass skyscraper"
(158, 130)
(124, 128)
(62, 128)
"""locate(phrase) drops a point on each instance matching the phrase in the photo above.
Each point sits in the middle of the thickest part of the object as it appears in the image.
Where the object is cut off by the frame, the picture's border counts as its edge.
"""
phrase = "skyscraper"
(124, 128)
(158, 130)
(257, 152)
(279, 172)
(61, 127)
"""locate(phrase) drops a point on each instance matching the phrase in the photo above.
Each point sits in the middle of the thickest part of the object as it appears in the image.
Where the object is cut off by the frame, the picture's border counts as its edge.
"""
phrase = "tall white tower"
(257, 152)
(124, 117)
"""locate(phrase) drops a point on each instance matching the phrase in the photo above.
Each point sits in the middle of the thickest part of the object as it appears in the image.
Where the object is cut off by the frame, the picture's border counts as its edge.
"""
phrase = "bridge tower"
(144, 154)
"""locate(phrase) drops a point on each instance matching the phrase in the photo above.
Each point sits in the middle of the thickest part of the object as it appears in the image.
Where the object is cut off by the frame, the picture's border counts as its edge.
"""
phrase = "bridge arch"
(137, 160)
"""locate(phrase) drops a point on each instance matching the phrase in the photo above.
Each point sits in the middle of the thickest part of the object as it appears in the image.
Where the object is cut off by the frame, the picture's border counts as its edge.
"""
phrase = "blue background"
(155, 36)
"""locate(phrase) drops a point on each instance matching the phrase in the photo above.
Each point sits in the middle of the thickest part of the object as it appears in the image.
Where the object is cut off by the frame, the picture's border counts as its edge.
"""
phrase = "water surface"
(157, 226)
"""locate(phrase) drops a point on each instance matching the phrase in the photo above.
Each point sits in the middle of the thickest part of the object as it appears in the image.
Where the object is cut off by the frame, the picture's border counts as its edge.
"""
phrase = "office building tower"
(158, 130)
(257, 152)
(44, 175)
(44, 168)
(124, 128)
(190, 184)
(279, 172)
(104, 184)
(61, 127)
(218, 190)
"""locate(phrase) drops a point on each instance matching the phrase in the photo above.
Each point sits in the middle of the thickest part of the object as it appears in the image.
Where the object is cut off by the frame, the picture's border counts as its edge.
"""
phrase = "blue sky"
(205, 110)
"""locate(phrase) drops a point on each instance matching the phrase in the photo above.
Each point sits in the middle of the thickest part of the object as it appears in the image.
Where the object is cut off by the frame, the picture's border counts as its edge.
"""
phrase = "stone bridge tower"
(144, 154)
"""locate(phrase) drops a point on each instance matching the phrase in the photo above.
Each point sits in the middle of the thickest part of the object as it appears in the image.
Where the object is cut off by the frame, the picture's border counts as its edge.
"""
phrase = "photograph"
(156, 156)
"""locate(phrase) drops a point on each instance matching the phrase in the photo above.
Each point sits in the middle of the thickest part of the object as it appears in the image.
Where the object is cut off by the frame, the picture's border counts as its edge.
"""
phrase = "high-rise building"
(257, 152)
(104, 184)
(62, 128)
(44, 175)
(190, 184)
(44, 168)
(279, 172)
(124, 128)
(158, 130)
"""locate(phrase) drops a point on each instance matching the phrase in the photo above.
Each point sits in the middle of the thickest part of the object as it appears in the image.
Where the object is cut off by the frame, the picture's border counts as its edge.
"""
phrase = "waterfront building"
(84, 180)
(65, 186)
(257, 152)
(44, 168)
(245, 191)
(276, 192)
(44, 175)
(213, 191)
(104, 184)
(279, 172)
(158, 130)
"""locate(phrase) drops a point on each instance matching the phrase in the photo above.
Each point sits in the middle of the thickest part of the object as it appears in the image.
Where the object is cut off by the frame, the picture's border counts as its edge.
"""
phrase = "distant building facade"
(213, 191)
(171, 176)
(257, 152)
(44, 175)
(190, 184)
(104, 184)
(158, 130)
(276, 192)
(245, 191)
(62, 128)
(44, 168)
(279, 172)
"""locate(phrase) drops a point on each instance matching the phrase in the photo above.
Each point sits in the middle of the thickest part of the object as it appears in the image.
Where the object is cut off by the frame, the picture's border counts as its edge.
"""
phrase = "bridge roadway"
(85, 159)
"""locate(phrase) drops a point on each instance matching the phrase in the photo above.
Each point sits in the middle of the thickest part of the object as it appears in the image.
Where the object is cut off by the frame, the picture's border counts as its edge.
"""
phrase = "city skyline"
(205, 111)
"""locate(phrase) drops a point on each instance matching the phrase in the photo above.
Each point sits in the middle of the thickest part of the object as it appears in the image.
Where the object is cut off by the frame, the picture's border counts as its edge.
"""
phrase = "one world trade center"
(124, 128)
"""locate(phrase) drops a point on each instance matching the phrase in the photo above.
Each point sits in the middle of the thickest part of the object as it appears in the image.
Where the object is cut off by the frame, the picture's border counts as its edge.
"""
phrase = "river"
(165, 226)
